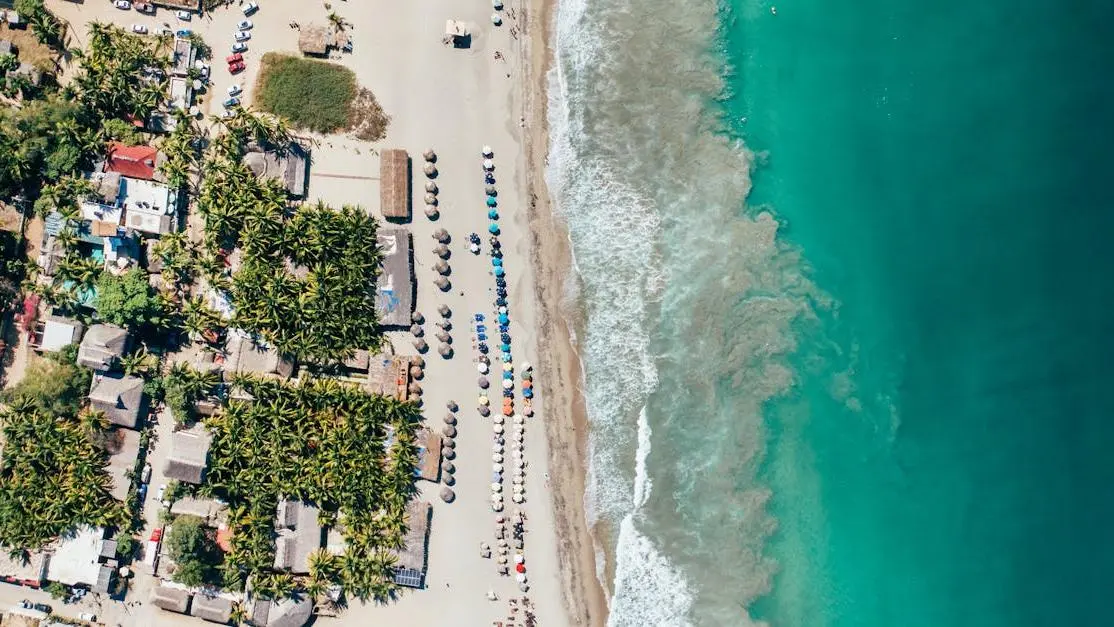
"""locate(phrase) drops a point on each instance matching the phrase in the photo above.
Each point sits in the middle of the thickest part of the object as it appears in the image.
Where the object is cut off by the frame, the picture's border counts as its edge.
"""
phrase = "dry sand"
(456, 101)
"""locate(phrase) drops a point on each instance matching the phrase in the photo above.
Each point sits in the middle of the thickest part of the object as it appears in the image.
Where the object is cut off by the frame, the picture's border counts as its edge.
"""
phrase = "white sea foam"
(648, 589)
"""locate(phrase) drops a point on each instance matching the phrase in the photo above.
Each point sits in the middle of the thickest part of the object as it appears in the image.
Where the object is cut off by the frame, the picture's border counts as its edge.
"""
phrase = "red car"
(236, 58)
(236, 68)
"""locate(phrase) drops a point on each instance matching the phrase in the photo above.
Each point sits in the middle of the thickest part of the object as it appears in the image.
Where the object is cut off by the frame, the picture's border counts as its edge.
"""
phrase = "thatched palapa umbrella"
(416, 372)
(491, 191)
(431, 187)
(444, 337)
(447, 453)
(430, 199)
(450, 419)
(448, 431)
(452, 406)
(444, 311)
(416, 330)
(417, 317)
(421, 345)
(448, 441)
(415, 389)
(430, 170)
(441, 267)
(448, 480)
(447, 495)
(445, 350)
(418, 360)
(444, 325)
(429, 155)
(441, 235)
(441, 251)
(442, 284)
(431, 212)
(448, 467)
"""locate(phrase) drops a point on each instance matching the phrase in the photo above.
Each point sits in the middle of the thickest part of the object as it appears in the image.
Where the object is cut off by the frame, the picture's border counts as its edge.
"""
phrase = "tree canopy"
(51, 387)
(128, 300)
(194, 551)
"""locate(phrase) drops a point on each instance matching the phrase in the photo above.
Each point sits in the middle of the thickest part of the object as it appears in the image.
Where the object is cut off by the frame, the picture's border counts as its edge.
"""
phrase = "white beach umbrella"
(525, 365)
(497, 468)
(496, 458)
(520, 577)
(496, 487)
(502, 310)
(518, 498)
(507, 384)
(489, 164)
(498, 419)
(519, 558)
(521, 463)
(487, 152)
(519, 480)
(482, 367)
(518, 436)
(519, 488)
(496, 507)
(498, 428)
(483, 400)
(520, 428)
(518, 419)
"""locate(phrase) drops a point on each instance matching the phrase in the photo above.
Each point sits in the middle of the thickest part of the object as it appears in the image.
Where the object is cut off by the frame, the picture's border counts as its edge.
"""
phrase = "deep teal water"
(946, 170)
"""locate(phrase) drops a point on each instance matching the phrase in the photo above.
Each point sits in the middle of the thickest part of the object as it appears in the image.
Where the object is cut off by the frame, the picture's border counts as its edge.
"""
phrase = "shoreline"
(558, 363)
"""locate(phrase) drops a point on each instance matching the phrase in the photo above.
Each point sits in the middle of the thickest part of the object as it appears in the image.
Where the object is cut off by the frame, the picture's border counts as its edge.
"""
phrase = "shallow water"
(872, 393)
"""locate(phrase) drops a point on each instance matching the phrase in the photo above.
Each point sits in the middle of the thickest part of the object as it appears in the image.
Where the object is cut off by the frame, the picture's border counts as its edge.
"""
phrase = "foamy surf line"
(612, 231)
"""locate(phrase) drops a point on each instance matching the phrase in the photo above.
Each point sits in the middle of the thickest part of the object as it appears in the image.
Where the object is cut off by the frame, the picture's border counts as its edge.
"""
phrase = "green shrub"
(313, 95)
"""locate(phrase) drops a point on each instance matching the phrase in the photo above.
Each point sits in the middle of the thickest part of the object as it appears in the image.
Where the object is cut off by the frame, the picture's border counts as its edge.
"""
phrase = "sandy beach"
(455, 101)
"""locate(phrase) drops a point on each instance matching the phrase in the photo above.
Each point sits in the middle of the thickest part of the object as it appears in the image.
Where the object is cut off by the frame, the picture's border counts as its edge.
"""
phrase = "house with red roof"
(137, 162)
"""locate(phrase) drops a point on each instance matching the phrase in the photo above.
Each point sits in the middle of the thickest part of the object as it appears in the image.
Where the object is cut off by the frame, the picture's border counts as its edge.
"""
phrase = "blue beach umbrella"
(528, 393)
(506, 348)
(507, 355)
(499, 271)
(504, 319)
(493, 215)
(493, 228)
(491, 201)
(496, 261)
(508, 375)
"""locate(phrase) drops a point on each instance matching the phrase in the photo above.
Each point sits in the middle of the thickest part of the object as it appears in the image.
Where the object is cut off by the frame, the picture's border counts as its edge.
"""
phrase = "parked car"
(234, 90)
(236, 68)
(244, 25)
(250, 8)
(183, 32)
(231, 102)
(239, 46)
(227, 113)
(139, 29)
(145, 476)
(144, 7)
(122, 4)
(25, 604)
(42, 607)
(234, 58)
(161, 492)
(242, 35)
(87, 617)
(185, 16)
(163, 30)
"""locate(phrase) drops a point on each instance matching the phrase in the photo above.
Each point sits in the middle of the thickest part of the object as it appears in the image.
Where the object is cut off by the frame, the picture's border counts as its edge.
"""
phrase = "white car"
(234, 90)
(242, 35)
(139, 29)
(87, 616)
(185, 16)
(227, 113)
(239, 46)
(145, 476)
(161, 493)
(163, 31)
(244, 25)
(250, 8)
(122, 4)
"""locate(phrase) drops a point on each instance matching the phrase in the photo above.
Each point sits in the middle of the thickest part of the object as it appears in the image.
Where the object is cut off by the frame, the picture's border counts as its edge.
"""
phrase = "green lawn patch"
(313, 95)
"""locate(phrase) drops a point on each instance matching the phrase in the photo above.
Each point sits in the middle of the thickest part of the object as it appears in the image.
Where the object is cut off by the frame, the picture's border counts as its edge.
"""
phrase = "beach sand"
(455, 101)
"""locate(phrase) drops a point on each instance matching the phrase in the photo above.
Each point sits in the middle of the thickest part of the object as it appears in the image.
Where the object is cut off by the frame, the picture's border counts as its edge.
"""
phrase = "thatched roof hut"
(394, 184)
(314, 40)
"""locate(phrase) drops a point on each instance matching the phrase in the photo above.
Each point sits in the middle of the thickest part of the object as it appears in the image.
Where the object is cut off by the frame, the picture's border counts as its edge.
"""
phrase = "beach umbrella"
(519, 420)
(489, 165)
(452, 406)
(447, 495)
(444, 337)
(491, 191)
(418, 361)
(499, 271)
(518, 480)
(518, 437)
(529, 411)
(448, 442)
(508, 367)
(441, 267)
(485, 360)
(416, 330)
(520, 577)
(527, 383)
(496, 487)
(520, 567)
(441, 251)
(487, 152)
(528, 393)
(493, 215)
(508, 384)
(431, 212)
(493, 228)
(496, 507)
(495, 457)
(415, 389)
(416, 372)
(429, 155)
(449, 419)
(504, 319)
(431, 200)
(497, 448)
(491, 202)
(507, 411)
(448, 431)
(430, 170)
(442, 283)
(441, 235)
(497, 428)
(519, 558)
(498, 261)
(483, 400)
(447, 453)
(431, 187)
(444, 325)
(445, 351)
(497, 468)
(496, 477)
(507, 402)
(520, 428)
(482, 382)
(518, 498)
(520, 463)
(506, 348)
(417, 317)
(421, 345)
(484, 411)
(497, 420)
(482, 367)
(444, 311)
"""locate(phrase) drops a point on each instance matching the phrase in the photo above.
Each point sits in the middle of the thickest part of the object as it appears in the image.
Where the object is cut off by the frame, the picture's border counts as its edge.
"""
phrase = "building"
(149, 206)
(76, 561)
(411, 565)
(246, 354)
(102, 346)
(290, 167)
(211, 511)
(170, 599)
(181, 92)
(29, 572)
(182, 57)
(134, 162)
(119, 396)
(212, 608)
(123, 453)
(54, 333)
(429, 455)
(314, 40)
(282, 613)
(297, 535)
(395, 290)
(189, 454)
(394, 184)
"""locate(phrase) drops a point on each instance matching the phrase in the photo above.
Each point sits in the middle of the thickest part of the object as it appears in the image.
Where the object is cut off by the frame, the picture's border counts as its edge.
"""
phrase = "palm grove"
(305, 283)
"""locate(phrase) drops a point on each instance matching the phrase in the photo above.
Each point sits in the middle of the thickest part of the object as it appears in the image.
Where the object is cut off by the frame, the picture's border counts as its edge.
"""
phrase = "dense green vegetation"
(51, 386)
(128, 301)
(52, 478)
(194, 549)
(350, 453)
(47, 28)
(313, 95)
(307, 280)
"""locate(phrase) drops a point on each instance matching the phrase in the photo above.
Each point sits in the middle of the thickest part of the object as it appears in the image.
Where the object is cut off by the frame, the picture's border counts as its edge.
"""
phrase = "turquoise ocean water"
(845, 281)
